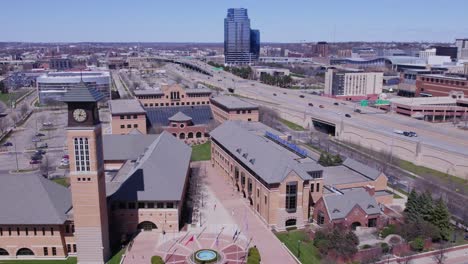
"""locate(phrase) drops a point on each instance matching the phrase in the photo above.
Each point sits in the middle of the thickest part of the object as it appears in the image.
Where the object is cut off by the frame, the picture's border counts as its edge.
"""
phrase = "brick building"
(279, 180)
(173, 95)
(440, 85)
(232, 108)
(127, 115)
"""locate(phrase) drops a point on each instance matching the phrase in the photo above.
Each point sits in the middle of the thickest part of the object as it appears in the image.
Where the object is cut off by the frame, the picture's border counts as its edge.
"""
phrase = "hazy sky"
(202, 20)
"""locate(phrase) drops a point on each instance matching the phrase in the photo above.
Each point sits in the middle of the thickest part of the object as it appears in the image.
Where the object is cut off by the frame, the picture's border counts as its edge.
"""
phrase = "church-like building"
(118, 186)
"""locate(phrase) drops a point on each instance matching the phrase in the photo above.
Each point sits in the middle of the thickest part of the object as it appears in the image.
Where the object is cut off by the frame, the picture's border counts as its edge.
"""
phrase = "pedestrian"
(214, 207)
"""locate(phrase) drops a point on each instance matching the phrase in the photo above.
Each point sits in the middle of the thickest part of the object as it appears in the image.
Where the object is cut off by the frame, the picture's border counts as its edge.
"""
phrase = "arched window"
(182, 135)
(24, 252)
(199, 134)
(147, 226)
(290, 222)
(190, 135)
(3, 252)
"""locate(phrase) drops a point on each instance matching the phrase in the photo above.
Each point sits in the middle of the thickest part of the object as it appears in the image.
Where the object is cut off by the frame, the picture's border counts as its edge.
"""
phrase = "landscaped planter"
(205, 256)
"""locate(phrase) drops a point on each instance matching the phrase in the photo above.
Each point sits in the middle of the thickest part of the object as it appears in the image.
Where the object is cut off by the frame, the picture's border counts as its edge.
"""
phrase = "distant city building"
(255, 43)
(60, 64)
(424, 54)
(322, 49)
(53, 85)
(349, 85)
(238, 46)
(407, 85)
(346, 53)
(440, 85)
(462, 48)
(446, 51)
(259, 71)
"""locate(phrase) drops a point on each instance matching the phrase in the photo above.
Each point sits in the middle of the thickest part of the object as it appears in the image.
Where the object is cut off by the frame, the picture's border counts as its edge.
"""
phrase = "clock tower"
(88, 184)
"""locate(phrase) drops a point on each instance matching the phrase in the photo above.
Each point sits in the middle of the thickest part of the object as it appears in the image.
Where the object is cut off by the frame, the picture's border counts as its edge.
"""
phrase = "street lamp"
(299, 249)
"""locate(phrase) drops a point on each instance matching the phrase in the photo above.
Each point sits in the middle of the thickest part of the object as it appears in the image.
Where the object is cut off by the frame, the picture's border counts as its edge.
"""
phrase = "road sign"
(364, 103)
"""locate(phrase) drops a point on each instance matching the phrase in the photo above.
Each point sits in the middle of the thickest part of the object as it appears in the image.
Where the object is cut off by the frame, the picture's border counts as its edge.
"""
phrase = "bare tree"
(3, 107)
(45, 167)
(4, 124)
(24, 109)
(14, 117)
(269, 117)
(440, 256)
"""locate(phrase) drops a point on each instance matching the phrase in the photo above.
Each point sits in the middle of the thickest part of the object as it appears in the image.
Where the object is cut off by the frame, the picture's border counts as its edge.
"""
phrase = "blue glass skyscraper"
(237, 37)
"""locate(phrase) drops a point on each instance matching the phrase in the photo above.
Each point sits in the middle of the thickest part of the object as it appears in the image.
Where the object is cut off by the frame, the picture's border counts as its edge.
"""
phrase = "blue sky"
(202, 20)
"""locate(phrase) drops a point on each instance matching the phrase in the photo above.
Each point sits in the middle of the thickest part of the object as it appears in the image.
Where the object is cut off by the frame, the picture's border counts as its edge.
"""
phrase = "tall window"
(82, 154)
(291, 196)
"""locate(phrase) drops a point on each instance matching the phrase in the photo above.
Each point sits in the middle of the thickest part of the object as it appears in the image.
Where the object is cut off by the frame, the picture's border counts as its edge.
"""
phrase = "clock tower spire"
(88, 185)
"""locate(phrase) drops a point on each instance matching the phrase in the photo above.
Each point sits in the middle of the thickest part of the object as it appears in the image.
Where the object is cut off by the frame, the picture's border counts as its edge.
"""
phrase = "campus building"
(51, 87)
(281, 182)
(232, 108)
(173, 95)
(353, 85)
(127, 115)
(120, 184)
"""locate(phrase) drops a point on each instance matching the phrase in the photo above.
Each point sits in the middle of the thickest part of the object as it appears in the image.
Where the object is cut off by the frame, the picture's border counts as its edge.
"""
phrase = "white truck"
(399, 132)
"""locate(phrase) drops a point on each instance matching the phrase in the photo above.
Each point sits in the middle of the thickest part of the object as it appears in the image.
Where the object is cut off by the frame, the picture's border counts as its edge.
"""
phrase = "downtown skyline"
(179, 21)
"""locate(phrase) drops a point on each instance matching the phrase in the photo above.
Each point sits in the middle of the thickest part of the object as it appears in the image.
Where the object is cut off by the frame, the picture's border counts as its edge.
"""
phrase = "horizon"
(152, 22)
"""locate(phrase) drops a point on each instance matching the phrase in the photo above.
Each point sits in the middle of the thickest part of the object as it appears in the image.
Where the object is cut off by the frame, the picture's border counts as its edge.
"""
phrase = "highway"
(289, 101)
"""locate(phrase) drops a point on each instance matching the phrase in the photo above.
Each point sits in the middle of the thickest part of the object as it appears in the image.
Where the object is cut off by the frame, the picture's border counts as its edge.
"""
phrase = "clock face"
(79, 115)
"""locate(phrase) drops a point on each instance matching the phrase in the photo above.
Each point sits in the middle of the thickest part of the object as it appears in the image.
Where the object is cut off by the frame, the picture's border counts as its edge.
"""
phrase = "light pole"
(299, 249)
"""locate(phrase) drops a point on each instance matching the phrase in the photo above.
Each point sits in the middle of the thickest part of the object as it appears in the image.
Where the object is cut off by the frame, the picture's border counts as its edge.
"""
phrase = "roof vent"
(336, 211)
(245, 155)
(370, 206)
(252, 161)
(238, 150)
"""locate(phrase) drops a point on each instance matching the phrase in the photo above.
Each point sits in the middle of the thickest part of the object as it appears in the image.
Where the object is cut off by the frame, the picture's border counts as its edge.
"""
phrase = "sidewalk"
(271, 249)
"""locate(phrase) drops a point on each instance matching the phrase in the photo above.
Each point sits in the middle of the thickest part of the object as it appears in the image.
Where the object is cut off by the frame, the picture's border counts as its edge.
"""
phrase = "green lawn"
(423, 171)
(4, 97)
(201, 152)
(62, 181)
(396, 196)
(292, 125)
(309, 254)
(117, 257)
(70, 260)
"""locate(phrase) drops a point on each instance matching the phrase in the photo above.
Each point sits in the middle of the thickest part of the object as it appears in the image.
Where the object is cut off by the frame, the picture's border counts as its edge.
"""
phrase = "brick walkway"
(271, 249)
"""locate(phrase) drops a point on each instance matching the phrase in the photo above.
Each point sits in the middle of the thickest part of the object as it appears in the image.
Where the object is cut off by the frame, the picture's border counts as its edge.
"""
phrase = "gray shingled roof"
(148, 92)
(337, 175)
(180, 117)
(159, 175)
(339, 205)
(270, 161)
(361, 168)
(126, 147)
(159, 116)
(82, 93)
(126, 106)
(198, 90)
(232, 103)
(32, 200)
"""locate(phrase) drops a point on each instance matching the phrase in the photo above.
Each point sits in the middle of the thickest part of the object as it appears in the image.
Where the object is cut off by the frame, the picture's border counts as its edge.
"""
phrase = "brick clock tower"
(88, 184)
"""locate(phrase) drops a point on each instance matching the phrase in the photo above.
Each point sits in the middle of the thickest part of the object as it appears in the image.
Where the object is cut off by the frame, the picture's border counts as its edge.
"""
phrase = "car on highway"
(347, 115)
(413, 134)
(285, 93)
(7, 144)
(357, 110)
(335, 103)
(321, 106)
(274, 94)
(44, 145)
(301, 96)
(311, 104)
(399, 132)
(35, 162)
(40, 135)
(40, 152)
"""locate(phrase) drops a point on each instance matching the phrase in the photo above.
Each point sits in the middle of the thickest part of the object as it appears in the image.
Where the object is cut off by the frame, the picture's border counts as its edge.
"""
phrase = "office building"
(239, 48)
(353, 85)
(53, 85)
(446, 51)
(462, 48)
(322, 49)
(60, 64)
(425, 54)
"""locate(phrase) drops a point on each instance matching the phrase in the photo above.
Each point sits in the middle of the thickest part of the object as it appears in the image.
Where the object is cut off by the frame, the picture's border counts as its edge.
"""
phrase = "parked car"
(285, 93)
(35, 140)
(274, 94)
(47, 124)
(357, 110)
(66, 156)
(311, 104)
(335, 103)
(65, 163)
(36, 157)
(43, 145)
(40, 152)
(301, 96)
(35, 162)
(347, 115)
(40, 135)
(321, 106)
(7, 144)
